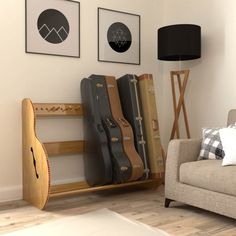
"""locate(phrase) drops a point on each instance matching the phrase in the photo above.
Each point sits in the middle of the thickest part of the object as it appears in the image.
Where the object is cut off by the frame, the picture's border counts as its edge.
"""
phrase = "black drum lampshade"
(179, 42)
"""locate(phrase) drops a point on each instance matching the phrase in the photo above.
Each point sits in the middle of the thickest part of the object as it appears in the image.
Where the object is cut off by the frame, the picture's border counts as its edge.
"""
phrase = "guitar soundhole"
(34, 163)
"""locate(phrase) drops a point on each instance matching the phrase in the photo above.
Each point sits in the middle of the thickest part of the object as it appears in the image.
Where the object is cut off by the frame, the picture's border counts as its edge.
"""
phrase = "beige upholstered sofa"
(205, 184)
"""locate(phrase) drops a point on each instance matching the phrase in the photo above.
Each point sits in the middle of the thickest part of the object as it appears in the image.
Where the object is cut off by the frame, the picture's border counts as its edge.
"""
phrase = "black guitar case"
(131, 106)
(120, 165)
(97, 160)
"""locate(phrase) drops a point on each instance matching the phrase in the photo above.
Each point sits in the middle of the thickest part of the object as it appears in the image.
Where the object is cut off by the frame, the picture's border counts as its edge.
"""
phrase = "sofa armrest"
(180, 151)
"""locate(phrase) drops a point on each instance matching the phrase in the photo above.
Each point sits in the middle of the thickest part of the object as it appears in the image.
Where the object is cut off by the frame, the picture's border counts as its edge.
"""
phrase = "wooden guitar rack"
(36, 169)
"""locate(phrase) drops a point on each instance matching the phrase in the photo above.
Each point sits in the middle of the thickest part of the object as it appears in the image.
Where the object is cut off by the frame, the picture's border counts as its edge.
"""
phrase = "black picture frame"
(128, 50)
(35, 41)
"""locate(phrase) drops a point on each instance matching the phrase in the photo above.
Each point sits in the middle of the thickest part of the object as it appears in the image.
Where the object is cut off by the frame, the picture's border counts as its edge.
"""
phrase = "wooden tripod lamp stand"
(179, 43)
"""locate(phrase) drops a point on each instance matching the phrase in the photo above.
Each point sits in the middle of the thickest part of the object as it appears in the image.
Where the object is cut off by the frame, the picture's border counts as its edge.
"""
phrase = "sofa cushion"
(209, 174)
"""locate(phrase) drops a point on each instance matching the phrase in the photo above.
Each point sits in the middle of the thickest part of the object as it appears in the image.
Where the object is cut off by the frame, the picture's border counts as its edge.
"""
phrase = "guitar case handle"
(154, 125)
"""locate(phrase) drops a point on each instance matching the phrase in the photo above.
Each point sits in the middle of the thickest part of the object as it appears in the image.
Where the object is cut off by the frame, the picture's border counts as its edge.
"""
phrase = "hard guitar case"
(147, 95)
(120, 165)
(131, 107)
(97, 160)
(126, 130)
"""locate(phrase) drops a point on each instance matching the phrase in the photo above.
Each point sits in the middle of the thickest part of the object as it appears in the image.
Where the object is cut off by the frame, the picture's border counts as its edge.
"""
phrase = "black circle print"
(53, 26)
(119, 37)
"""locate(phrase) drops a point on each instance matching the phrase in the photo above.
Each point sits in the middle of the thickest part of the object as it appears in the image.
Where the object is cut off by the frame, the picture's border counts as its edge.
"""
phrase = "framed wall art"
(52, 27)
(118, 37)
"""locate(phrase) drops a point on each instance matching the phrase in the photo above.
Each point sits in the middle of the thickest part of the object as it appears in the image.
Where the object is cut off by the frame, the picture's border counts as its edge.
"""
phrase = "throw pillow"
(211, 147)
(228, 139)
(232, 126)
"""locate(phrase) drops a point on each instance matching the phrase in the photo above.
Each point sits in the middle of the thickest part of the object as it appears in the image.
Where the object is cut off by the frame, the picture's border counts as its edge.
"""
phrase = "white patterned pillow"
(211, 147)
(232, 126)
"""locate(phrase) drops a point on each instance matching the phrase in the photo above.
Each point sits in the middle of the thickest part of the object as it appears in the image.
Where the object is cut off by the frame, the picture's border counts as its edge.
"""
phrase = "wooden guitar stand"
(181, 103)
(36, 169)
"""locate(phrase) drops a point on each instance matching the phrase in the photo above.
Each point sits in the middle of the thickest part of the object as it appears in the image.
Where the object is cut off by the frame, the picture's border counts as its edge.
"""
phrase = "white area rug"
(97, 223)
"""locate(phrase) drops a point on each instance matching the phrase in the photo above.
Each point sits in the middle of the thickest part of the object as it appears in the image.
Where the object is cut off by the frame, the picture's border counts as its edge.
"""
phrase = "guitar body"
(148, 101)
(126, 130)
(131, 107)
(97, 161)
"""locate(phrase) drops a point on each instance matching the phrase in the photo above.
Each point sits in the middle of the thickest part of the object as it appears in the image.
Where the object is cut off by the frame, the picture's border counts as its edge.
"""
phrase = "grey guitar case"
(97, 160)
(120, 165)
(131, 106)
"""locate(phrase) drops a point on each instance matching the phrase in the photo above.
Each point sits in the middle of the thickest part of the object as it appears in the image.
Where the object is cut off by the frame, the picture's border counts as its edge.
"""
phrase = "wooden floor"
(142, 205)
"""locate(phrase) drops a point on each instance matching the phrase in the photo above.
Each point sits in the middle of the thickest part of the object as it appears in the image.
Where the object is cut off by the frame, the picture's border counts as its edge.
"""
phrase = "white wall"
(210, 92)
(211, 89)
(57, 79)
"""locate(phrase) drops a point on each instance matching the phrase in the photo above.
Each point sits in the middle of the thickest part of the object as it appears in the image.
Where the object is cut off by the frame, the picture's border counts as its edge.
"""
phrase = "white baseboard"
(10, 193)
(15, 192)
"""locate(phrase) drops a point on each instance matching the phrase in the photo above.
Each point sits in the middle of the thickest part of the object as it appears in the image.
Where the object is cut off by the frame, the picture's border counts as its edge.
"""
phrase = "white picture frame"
(118, 37)
(52, 27)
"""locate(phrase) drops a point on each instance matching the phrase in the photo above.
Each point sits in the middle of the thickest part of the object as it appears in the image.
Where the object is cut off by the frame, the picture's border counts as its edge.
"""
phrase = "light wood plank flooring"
(142, 205)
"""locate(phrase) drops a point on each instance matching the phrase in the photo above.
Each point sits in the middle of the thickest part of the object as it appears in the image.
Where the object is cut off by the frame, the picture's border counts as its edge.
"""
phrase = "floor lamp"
(179, 43)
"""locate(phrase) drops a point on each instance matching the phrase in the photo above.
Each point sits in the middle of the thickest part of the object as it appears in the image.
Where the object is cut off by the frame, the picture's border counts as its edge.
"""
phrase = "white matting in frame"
(53, 27)
(118, 37)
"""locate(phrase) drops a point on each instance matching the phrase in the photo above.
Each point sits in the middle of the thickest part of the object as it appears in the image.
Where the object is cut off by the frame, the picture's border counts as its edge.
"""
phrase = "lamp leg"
(174, 104)
(181, 99)
(184, 109)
